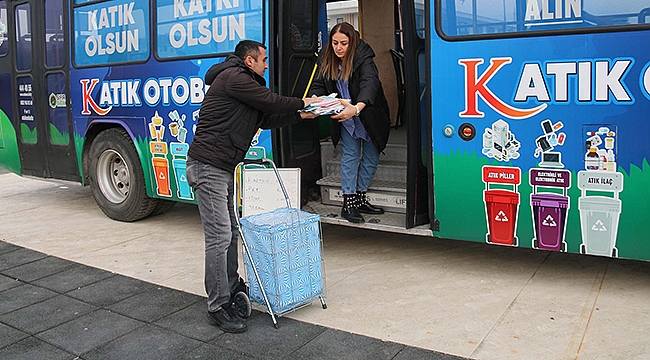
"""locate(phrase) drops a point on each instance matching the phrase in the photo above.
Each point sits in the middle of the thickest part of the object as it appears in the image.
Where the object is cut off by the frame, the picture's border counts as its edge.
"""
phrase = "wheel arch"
(100, 125)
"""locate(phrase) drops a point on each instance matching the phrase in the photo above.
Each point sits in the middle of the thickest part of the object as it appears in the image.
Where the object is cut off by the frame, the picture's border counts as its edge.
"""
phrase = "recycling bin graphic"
(550, 210)
(179, 155)
(501, 205)
(599, 215)
(161, 169)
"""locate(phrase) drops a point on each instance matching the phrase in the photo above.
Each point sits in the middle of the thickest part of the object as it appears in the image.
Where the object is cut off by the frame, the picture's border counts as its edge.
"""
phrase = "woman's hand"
(347, 113)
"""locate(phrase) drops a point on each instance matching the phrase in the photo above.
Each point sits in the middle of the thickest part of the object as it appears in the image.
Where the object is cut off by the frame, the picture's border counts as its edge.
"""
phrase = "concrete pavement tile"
(32, 349)
(38, 269)
(154, 304)
(47, 314)
(110, 290)
(211, 352)
(420, 300)
(410, 353)
(191, 322)
(9, 335)
(546, 320)
(147, 342)
(21, 296)
(89, 331)
(6, 247)
(619, 321)
(8, 283)
(340, 345)
(75, 277)
(263, 341)
(18, 257)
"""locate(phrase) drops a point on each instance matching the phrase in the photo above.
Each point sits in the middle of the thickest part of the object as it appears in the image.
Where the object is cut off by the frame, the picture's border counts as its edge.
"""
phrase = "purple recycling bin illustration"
(550, 209)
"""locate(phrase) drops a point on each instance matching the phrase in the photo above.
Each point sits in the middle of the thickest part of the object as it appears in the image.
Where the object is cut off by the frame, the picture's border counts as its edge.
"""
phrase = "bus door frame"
(419, 198)
(43, 159)
(291, 66)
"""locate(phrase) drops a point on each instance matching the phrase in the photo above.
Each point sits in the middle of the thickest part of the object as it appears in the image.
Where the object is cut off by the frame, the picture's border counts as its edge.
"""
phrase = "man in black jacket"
(235, 106)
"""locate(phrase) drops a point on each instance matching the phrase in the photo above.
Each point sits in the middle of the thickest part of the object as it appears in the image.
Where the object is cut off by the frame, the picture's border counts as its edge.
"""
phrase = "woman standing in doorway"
(348, 69)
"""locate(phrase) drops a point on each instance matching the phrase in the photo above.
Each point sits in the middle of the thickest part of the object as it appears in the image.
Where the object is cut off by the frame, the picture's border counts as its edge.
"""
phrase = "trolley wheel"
(242, 305)
(563, 248)
(276, 325)
(116, 177)
(535, 244)
(582, 249)
(324, 306)
(614, 252)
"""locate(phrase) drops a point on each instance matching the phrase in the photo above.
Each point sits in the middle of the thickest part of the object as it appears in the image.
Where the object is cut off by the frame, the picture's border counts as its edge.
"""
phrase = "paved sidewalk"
(52, 309)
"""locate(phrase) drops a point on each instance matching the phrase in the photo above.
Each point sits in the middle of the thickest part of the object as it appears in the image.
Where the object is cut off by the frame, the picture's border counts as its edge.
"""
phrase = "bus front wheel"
(116, 177)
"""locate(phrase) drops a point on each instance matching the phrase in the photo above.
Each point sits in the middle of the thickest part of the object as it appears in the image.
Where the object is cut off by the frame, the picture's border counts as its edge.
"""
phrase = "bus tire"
(116, 177)
(162, 206)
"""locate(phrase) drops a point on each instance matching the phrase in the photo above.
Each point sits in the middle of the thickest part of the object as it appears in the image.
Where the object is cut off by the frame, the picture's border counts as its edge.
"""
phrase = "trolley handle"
(260, 161)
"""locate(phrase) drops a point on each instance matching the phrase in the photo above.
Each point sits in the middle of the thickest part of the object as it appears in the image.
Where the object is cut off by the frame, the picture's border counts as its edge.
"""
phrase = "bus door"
(419, 198)
(298, 39)
(42, 93)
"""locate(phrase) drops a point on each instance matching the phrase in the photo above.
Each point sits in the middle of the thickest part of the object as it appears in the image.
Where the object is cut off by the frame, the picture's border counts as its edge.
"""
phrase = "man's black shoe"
(226, 322)
(352, 215)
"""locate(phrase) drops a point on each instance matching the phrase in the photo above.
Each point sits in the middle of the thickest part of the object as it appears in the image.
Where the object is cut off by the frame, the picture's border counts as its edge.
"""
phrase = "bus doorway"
(42, 98)
(397, 38)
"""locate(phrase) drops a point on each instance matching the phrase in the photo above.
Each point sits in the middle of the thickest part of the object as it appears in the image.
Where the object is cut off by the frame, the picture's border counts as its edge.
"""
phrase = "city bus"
(517, 122)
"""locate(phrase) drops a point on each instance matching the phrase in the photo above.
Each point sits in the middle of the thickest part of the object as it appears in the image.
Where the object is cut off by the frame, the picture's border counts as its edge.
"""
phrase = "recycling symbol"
(549, 221)
(162, 176)
(183, 178)
(599, 226)
(501, 216)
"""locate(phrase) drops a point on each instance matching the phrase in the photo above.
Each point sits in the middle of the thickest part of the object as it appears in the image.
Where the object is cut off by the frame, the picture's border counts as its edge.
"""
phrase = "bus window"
(103, 36)
(189, 29)
(23, 37)
(28, 133)
(420, 15)
(301, 24)
(58, 112)
(54, 45)
(4, 45)
(462, 18)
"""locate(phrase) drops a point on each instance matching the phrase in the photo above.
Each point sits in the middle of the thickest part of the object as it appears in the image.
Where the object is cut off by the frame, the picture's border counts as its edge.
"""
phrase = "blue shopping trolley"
(282, 251)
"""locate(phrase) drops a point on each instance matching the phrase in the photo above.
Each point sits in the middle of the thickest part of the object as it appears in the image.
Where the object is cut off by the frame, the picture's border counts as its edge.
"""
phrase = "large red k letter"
(475, 86)
(87, 99)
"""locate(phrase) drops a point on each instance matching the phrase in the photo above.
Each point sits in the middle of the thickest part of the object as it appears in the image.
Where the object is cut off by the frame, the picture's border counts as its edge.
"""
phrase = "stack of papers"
(329, 106)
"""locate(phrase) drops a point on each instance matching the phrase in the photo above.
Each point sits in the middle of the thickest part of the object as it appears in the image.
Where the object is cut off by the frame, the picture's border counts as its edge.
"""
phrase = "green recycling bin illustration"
(599, 214)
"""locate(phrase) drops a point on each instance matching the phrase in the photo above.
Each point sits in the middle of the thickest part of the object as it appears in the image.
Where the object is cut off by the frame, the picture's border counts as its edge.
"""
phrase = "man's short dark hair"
(248, 48)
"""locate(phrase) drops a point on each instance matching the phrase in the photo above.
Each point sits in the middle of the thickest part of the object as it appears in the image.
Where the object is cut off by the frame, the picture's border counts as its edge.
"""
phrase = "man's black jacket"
(237, 104)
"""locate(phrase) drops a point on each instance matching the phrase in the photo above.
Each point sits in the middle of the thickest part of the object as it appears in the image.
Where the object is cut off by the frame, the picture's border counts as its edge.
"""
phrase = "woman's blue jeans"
(214, 193)
(358, 163)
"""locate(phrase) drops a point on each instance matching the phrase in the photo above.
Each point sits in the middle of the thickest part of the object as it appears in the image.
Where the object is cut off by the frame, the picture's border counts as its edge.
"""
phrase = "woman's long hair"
(330, 65)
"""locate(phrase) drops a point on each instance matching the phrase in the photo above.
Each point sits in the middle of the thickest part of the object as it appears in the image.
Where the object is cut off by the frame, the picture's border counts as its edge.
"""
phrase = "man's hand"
(311, 100)
(307, 115)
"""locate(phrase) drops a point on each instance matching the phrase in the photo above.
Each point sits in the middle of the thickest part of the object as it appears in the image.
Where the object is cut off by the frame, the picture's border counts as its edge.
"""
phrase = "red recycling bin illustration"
(550, 210)
(501, 205)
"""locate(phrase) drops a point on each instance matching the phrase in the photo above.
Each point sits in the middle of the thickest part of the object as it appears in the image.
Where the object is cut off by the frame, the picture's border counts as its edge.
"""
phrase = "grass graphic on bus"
(8, 145)
(461, 211)
(28, 136)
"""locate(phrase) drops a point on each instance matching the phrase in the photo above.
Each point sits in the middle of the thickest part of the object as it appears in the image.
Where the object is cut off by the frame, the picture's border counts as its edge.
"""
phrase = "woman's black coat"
(365, 87)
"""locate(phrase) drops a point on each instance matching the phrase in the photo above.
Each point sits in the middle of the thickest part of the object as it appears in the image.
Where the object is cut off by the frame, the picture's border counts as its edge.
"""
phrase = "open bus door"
(41, 95)
(419, 198)
(297, 34)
